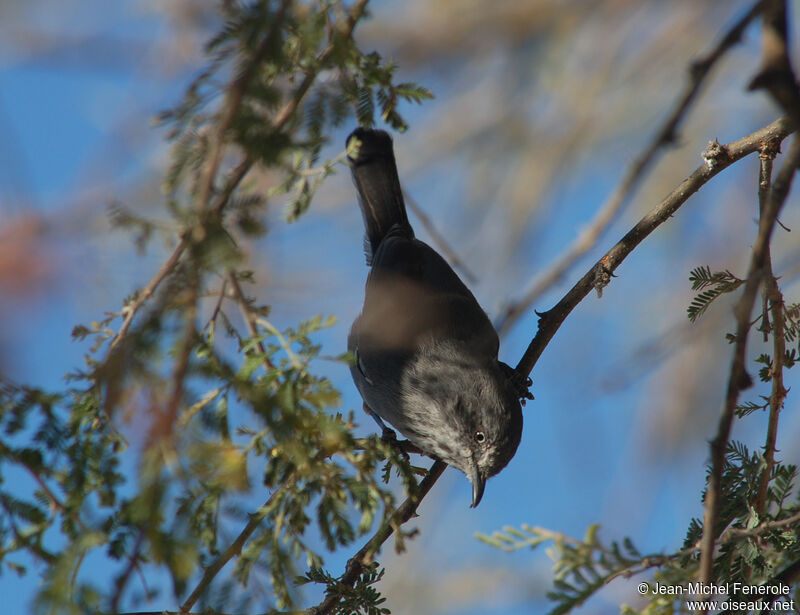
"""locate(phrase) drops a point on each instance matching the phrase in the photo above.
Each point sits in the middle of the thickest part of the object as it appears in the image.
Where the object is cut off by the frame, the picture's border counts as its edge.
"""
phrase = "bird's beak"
(478, 485)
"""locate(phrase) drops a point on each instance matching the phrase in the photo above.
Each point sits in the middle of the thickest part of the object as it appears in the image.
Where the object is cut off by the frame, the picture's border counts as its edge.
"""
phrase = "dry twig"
(666, 135)
(739, 379)
(718, 157)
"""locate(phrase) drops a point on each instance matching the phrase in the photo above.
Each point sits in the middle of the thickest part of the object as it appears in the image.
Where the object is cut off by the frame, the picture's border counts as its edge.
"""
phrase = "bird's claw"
(520, 382)
(389, 436)
(401, 446)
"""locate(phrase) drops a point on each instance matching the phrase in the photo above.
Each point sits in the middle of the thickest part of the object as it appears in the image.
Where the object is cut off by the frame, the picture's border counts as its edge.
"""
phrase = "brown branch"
(249, 316)
(122, 581)
(233, 549)
(774, 299)
(738, 533)
(223, 291)
(778, 393)
(718, 158)
(666, 135)
(776, 74)
(355, 566)
(167, 418)
(233, 100)
(235, 178)
(739, 379)
(129, 310)
(732, 534)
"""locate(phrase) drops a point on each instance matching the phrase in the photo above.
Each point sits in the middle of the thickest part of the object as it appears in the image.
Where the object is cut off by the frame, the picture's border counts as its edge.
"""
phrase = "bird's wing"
(413, 296)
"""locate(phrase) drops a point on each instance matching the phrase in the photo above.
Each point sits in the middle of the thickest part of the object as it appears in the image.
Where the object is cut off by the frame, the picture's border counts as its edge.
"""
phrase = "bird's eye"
(480, 437)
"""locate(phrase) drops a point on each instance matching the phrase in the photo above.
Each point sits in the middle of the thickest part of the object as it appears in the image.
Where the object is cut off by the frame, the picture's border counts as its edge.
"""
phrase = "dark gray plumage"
(426, 353)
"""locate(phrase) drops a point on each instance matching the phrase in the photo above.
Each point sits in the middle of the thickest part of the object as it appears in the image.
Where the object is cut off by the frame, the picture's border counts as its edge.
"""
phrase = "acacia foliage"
(226, 411)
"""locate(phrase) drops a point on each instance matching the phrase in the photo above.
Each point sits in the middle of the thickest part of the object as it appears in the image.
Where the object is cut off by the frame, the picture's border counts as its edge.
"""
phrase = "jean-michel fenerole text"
(723, 589)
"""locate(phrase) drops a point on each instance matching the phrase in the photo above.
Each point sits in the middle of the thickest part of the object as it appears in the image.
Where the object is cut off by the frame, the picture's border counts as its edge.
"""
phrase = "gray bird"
(425, 352)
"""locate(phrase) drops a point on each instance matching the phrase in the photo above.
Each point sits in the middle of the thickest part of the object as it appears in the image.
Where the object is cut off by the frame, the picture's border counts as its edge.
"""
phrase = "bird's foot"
(404, 447)
(388, 435)
(520, 382)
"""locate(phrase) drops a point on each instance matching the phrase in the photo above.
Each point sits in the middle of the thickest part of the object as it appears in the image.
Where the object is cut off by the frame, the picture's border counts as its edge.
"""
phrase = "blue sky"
(78, 134)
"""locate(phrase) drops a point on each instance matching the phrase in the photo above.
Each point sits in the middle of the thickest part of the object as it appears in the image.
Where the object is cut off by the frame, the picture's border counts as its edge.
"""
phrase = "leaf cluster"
(712, 285)
(220, 416)
(757, 532)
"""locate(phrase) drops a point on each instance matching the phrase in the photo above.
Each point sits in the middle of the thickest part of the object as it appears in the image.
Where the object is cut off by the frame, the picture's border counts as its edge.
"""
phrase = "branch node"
(715, 154)
(602, 277)
(770, 147)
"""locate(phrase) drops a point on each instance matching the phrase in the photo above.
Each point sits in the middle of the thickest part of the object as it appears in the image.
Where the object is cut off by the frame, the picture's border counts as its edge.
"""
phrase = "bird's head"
(476, 427)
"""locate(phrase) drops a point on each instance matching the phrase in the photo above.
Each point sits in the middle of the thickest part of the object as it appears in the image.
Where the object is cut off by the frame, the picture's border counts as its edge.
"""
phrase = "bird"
(425, 354)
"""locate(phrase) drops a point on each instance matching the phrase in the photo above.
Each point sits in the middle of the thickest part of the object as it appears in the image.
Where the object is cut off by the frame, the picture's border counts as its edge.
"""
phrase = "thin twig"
(249, 316)
(234, 179)
(666, 135)
(236, 176)
(718, 158)
(777, 78)
(778, 393)
(55, 503)
(773, 299)
(739, 379)
(233, 549)
(233, 100)
(732, 534)
(223, 289)
(355, 566)
(738, 533)
(168, 419)
(439, 239)
(129, 311)
(238, 173)
(776, 75)
(122, 580)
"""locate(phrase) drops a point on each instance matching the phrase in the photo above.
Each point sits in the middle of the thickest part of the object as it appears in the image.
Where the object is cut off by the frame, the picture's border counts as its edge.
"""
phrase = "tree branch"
(248, 316)
(355, 566)
(234, 549)
(666, 135)
(233, 100)
(122, 580)
(718, 157)
(129, 310)
(776, 74)
(773, 301)
(739, 379)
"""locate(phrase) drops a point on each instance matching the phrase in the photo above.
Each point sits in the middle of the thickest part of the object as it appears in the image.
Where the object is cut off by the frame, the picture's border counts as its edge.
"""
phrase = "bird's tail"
(379, 194)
